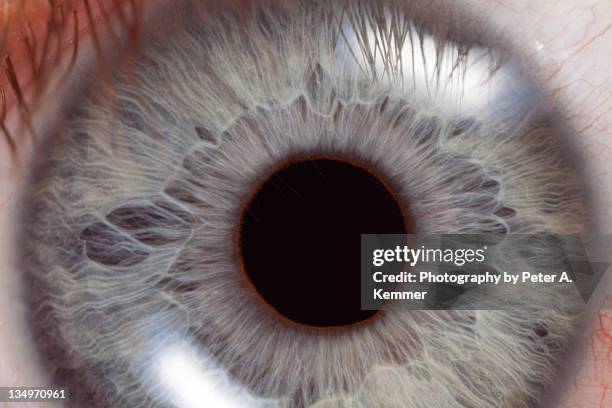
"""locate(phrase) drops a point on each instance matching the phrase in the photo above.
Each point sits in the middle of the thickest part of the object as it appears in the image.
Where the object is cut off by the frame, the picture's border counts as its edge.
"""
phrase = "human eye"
(133, 289)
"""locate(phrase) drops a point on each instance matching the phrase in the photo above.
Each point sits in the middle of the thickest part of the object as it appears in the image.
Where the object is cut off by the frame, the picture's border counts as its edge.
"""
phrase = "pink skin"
(567, 42)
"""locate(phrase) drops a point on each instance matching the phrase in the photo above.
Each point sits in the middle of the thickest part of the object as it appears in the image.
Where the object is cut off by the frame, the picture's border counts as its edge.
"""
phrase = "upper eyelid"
(36, 43)
(26, 30)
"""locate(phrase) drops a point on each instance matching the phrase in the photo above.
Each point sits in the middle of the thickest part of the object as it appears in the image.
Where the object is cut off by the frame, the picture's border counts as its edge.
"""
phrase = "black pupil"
(300, 239)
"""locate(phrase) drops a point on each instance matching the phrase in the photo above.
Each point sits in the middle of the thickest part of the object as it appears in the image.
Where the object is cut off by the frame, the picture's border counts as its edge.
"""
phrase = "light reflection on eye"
(189, 380)
(178, 199)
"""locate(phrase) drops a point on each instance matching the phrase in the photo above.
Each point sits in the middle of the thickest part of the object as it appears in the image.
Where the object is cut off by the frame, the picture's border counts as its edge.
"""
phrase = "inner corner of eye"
(199, 224)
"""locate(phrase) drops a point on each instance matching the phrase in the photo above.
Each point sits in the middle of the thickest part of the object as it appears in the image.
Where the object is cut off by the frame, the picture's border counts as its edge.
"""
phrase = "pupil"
(300, 239)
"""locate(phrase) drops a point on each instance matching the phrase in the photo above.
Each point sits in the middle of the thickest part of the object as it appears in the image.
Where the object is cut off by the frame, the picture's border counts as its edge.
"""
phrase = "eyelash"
(40, 55)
